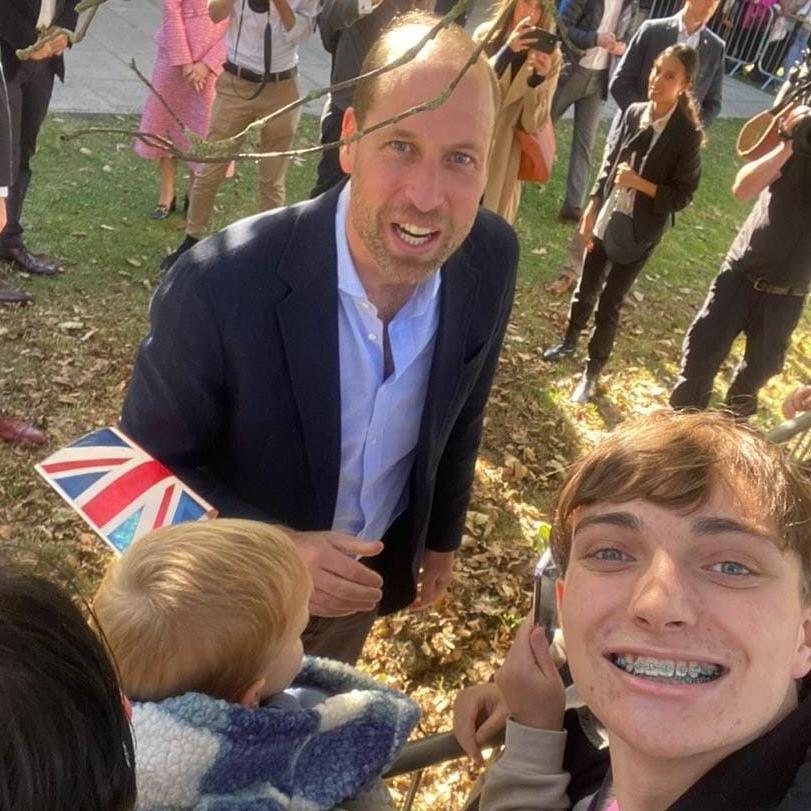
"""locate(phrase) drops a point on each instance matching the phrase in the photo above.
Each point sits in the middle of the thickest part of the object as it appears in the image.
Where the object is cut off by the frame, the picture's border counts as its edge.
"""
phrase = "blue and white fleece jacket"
(196, 752)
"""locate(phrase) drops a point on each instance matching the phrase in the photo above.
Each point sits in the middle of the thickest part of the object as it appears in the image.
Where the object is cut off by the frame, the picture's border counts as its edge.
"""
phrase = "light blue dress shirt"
(380, 419)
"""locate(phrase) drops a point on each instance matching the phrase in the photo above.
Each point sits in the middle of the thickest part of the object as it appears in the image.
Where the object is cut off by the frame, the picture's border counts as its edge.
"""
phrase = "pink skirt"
(191, 107)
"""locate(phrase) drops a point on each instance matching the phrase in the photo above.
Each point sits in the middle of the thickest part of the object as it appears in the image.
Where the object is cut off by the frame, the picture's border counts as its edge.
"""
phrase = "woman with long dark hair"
(650, 172)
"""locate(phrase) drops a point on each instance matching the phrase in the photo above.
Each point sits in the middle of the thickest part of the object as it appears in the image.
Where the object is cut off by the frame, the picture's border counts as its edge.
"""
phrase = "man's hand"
(618, 49)
(2, 213)
(799, 400)
(436, 571)
(58, 44)
(606, 41)
(479, 714)
(42, 53)
(530, 682)
(341, 584)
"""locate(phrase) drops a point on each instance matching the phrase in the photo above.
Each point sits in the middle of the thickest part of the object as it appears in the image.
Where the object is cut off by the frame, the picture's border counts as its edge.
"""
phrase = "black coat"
(236, 386)
(673, 164)
(18, 29)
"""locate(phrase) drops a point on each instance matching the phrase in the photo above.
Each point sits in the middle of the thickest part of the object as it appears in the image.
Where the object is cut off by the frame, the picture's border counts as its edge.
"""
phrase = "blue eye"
(731, 567)
(461, 159)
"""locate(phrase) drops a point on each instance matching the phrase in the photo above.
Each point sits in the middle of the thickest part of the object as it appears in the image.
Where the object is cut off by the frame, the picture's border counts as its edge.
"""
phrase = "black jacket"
(673, 164)
(236, 386)
(18, 29)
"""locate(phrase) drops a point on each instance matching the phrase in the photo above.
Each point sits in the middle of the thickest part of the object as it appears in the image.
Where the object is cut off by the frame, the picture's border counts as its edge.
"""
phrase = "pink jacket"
(187, 34)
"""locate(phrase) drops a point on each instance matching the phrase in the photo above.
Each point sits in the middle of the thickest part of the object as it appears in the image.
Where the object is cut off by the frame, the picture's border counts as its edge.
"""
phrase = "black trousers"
(329, 167)
(605, 284)
(29, 94)
(733, 306)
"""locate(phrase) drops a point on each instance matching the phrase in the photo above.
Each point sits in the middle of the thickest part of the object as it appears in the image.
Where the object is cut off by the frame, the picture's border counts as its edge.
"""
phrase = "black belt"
(258, 78)
(762, 286)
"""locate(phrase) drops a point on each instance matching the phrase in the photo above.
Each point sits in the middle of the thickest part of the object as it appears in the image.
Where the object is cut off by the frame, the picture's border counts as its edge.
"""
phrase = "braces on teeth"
(688, 672)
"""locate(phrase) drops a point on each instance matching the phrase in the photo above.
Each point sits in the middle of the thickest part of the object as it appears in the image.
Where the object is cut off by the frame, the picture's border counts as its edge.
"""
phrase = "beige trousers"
(232, 111)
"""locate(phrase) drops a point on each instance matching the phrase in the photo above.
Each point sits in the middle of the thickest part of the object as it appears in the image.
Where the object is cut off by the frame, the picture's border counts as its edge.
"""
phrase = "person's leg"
(276, 136)
(595, 267)
(338, 638)
(167, 171)
(619, 281)
(768, 333)
(29, 94)
(329, 172)
(586, 121)
(709, 339)
(230, 114)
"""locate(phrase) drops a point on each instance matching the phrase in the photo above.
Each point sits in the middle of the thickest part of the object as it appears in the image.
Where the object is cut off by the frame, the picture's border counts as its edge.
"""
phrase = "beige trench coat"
(519, 103)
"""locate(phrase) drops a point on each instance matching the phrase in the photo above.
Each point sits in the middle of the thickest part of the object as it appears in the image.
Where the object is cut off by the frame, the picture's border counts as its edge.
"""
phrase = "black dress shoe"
(25, 260)
(585, 390)
(10, 295)
(168, 261)
(567, 214)
(564, 349)
(161, 211)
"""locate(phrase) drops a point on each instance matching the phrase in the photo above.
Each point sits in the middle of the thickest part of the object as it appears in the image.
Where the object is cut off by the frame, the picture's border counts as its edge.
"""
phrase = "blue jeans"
(584, 88)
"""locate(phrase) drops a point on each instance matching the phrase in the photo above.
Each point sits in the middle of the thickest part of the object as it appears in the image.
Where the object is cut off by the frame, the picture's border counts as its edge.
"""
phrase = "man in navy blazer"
(251, 373)
(630, 82)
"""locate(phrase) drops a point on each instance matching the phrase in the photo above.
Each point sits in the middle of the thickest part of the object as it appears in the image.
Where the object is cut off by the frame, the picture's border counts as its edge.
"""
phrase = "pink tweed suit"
(186, 35)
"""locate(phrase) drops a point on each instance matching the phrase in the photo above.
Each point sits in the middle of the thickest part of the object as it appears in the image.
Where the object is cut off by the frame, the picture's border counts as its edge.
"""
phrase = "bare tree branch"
(203, 151)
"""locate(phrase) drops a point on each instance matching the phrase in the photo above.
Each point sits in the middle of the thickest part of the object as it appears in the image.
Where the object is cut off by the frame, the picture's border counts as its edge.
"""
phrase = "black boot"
(564, 349)
(168, 261)
(586, 388)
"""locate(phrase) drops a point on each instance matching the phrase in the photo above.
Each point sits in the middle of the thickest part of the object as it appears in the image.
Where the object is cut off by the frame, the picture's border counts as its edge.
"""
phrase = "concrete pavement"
(99, 79)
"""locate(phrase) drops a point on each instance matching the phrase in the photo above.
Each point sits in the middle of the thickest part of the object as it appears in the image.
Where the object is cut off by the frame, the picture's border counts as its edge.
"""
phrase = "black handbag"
(620, 243)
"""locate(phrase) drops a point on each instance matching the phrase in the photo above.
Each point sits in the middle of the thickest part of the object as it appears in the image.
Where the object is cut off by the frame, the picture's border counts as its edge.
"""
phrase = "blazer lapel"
(460, 281)
(308, 322)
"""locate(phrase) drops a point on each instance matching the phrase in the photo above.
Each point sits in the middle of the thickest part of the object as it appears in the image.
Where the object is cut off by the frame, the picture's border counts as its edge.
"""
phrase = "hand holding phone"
(538, 39)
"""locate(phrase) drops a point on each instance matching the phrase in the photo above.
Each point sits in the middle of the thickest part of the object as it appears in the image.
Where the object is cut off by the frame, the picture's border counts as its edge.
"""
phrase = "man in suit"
(630, 84)
(12, 431)
(30, 83)
(327, 365)
(597, 28)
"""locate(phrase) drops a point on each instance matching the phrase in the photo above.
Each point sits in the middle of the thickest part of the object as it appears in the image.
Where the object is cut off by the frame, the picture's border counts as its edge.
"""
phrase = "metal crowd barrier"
(755, 35)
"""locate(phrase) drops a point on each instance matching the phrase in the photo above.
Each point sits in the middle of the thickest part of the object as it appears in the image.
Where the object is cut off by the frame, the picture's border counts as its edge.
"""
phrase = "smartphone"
(540, 40)
(543, 608)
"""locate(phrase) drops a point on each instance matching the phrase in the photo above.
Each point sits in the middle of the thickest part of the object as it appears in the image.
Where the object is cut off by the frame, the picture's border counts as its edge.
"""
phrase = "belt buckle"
(761, 285)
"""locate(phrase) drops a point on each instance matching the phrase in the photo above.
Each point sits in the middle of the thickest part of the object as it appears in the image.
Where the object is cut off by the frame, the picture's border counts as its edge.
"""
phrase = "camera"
(541, 40)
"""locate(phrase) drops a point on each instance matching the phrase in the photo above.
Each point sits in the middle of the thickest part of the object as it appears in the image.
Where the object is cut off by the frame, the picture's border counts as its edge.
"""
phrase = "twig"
(213, 152)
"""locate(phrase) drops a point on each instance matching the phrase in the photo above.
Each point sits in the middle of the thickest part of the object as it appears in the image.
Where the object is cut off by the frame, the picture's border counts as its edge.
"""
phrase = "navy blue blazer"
(630, 81)
(236, 386)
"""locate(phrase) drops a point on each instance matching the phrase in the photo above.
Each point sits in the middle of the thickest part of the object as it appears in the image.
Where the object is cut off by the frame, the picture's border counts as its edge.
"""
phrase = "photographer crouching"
(761, 288)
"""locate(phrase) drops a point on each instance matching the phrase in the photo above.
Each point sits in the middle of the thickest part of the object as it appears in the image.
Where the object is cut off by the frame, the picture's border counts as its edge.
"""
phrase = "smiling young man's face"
(685, 631)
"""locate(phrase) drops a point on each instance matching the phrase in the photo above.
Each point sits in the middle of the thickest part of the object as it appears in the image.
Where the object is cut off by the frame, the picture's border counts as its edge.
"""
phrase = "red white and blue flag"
(119, 489)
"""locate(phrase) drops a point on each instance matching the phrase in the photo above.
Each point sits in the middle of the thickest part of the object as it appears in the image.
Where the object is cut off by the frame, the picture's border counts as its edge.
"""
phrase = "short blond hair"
(198, 607)
(677, 460)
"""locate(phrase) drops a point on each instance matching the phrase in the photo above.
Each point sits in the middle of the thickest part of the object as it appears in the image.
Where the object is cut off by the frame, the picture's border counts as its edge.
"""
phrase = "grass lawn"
(65, 361)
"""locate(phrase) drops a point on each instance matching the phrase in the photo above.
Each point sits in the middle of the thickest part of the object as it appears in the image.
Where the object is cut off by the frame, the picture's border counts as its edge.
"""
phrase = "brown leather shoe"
(23, 259)
(10, 295)
(17, 432)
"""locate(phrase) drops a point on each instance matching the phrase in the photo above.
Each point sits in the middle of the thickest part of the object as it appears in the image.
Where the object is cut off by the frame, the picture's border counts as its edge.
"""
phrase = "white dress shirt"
(47, 11)
(596, 58)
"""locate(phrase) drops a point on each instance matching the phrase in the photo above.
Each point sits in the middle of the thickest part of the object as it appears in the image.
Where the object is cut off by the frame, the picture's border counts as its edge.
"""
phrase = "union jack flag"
(119, 489)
